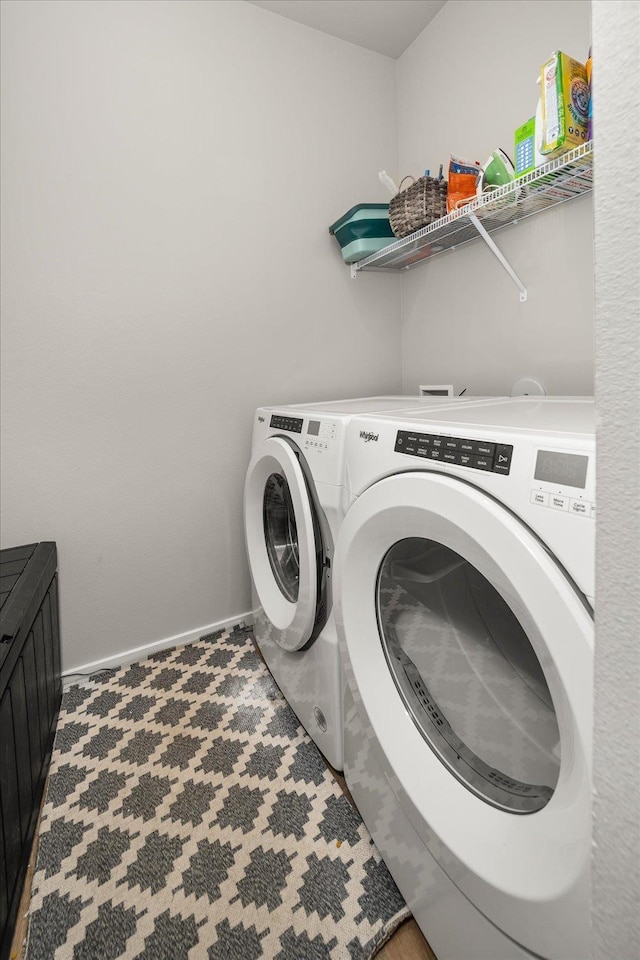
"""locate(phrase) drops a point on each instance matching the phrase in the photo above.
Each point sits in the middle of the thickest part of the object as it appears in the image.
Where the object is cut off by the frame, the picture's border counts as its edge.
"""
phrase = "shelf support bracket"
(354, 271)
(498, 253)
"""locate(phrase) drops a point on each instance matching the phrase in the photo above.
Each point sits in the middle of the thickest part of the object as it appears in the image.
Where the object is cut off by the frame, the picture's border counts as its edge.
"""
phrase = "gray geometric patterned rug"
(190, 817)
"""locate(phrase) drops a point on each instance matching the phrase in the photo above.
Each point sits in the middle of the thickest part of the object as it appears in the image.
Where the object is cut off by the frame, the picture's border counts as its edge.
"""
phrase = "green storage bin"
(363, 230)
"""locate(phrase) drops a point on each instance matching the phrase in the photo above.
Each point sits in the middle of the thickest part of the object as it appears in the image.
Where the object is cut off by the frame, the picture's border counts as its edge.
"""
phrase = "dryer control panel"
(562, 482)
(478, 454)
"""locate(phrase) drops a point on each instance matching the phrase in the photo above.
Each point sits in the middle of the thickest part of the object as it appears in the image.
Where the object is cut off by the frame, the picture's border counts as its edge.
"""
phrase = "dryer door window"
(468, 675)
(281, 535)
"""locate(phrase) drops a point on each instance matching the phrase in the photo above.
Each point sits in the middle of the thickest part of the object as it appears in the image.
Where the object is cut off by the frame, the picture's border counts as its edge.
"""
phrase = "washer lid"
(281, 541)
(469, 651)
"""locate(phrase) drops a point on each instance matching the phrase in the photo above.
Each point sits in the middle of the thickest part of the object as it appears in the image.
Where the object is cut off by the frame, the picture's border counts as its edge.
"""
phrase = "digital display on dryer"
(565, 469)
(313, 428)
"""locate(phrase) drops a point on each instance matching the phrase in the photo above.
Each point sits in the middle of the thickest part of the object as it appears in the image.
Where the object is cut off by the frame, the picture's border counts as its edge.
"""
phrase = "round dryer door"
(470, 654)
(281, 541)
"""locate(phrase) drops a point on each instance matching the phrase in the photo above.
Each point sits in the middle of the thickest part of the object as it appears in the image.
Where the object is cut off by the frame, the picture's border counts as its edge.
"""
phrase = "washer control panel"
(478, 454)
(316, 435)
(292, 424)
(320, 435)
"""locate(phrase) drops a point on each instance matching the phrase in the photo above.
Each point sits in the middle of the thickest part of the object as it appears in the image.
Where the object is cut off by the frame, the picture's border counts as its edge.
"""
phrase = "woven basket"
(424, 201)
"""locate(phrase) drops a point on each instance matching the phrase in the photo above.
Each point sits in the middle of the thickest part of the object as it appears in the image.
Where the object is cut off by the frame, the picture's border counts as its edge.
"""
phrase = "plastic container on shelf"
(363, 230)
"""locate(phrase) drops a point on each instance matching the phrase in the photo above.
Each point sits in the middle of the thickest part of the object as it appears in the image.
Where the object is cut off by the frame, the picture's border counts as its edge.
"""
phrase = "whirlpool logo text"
(366, 435)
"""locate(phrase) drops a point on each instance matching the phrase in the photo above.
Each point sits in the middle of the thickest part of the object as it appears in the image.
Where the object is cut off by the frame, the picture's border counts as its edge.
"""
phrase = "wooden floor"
(407, 943)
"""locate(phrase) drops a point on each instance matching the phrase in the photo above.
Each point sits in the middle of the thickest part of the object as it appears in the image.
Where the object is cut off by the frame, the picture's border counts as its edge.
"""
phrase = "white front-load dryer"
(294, 504)
(464, 577)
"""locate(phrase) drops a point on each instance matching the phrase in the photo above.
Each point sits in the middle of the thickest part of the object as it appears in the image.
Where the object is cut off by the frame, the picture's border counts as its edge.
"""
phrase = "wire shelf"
(556, 182)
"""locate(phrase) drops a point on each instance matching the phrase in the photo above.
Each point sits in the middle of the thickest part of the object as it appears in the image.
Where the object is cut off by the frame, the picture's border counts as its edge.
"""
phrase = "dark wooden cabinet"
(30, 694)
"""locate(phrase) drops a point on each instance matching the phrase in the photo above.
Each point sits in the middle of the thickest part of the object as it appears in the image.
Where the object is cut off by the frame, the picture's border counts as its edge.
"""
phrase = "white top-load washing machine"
(464, 584)
(293, 507)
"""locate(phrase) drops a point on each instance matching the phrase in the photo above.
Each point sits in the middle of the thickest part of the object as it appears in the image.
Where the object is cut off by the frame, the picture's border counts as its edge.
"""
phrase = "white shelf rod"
(498, 253)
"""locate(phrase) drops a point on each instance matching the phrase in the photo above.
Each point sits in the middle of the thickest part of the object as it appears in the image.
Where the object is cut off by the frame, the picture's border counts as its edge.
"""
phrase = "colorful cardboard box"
(525, 147)
(565, 104)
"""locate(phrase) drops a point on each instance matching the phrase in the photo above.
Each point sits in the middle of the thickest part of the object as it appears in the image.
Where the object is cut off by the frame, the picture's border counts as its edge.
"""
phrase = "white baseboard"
(139, 653)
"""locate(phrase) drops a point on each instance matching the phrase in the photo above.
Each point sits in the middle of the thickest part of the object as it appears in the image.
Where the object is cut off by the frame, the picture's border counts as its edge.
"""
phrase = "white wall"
(616, 853)
(169, 174)
(464, 86)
